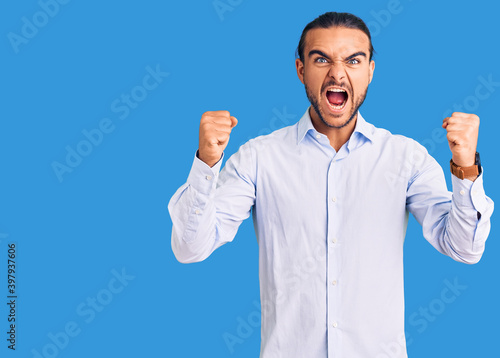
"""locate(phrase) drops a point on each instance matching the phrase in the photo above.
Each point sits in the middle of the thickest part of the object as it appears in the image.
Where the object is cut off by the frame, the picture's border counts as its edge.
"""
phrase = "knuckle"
(207, 114)
(205, 118)
(224, 122)
(223, 113)
(211, 114)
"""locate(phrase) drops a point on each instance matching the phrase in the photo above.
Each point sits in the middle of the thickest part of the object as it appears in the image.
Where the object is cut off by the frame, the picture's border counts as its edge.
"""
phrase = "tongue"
(336, 98)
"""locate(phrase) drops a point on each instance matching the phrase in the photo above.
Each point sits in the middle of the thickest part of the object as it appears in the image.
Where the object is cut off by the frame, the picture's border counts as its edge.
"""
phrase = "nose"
(337, 71)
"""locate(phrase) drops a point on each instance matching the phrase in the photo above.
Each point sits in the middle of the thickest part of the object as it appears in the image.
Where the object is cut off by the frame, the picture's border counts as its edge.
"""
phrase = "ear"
(300, 69)
(372, 69)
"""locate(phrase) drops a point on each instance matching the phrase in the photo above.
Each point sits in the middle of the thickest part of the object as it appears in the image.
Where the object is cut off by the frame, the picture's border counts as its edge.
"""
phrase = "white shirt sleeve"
(207, 210)
(456, 223)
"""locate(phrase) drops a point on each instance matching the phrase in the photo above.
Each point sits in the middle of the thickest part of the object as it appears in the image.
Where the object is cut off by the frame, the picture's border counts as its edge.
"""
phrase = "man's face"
(336, 73)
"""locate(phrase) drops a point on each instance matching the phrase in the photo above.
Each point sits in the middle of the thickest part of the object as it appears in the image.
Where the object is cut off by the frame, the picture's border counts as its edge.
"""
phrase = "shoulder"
(386, 138)
(401, 149)
(282, 137)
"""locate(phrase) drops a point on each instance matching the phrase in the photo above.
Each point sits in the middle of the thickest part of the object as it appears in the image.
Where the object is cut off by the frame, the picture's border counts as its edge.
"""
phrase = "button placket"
(334, 255)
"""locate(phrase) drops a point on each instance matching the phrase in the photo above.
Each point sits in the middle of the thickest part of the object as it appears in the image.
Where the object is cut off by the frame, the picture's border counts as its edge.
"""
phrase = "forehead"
(337, 40)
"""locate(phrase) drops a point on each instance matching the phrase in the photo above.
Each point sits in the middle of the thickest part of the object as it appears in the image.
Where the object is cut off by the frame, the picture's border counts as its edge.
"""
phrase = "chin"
(337, 117)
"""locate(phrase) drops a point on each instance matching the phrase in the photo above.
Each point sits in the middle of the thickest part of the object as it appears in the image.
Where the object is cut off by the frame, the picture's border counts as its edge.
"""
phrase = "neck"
(337, 136)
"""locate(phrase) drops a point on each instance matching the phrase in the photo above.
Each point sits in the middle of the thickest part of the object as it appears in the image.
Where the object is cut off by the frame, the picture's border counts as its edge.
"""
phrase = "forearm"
(192, 211)
(207, 211)
(465, 222)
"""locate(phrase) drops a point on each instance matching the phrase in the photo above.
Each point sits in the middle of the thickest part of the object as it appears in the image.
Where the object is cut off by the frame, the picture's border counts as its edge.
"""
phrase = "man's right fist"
(215, 128)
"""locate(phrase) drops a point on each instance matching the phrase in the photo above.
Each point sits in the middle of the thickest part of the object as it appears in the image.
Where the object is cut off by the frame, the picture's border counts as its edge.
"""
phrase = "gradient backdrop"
(100, 107)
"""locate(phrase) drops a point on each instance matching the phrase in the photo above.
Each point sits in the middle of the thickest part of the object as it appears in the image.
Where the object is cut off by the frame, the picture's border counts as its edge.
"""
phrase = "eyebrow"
(360, 53)
(318, 52)
(321, 53)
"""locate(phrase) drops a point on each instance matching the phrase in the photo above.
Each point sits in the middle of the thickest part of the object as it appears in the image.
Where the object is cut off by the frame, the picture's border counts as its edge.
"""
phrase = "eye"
(353, 61)
(321, 60)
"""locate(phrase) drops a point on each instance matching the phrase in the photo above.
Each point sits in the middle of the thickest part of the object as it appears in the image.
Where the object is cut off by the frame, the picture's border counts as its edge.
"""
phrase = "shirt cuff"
(469, 193)
(202, 177)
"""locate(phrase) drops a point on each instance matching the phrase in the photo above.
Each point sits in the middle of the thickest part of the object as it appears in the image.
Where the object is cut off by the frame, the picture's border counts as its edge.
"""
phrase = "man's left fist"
(462, 134)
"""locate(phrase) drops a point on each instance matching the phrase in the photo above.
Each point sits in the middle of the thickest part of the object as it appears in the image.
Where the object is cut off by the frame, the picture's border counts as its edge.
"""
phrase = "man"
(330, 198)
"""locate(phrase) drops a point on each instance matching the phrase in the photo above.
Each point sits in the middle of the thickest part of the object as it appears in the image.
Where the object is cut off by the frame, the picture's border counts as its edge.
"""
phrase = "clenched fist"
(462, 135)
(215, 128)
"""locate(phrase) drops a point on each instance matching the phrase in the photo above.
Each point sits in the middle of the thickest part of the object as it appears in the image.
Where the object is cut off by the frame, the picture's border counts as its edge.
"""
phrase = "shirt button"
(462, 192)
(334, 282)
(197, 212)
(334, 199)
(334, 324)
(318, 136)
(208, 177)
(334, 240)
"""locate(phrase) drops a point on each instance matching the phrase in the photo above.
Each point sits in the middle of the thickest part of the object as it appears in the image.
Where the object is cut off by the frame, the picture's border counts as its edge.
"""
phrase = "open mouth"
(337, 98)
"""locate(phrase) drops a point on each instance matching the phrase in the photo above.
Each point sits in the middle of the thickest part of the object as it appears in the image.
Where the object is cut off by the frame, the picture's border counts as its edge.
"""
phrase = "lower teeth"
(337, 107)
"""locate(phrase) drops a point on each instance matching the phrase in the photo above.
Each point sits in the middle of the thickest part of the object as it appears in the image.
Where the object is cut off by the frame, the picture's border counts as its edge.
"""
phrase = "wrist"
(463, 161)
(470, 172)
(473, 178)
(208, 161)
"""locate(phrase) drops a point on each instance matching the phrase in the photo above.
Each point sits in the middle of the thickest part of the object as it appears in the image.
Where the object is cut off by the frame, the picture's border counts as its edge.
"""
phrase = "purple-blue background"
(72, 70)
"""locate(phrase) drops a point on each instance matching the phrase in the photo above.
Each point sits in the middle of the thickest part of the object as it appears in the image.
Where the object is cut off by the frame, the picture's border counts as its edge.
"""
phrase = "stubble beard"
(317, 109)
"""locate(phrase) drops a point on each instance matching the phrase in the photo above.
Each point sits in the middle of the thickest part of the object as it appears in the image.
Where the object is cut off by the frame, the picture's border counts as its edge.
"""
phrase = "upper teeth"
(335, 90)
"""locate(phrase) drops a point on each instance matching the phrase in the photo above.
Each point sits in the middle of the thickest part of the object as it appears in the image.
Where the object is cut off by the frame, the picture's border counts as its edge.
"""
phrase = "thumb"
(234, 122)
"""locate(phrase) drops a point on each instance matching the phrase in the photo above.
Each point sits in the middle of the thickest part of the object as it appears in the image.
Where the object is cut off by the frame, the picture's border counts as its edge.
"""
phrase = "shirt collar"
(305, 125)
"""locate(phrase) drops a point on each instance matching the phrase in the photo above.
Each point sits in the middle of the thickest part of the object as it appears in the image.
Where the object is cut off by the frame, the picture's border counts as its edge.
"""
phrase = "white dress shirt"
(330, 228)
